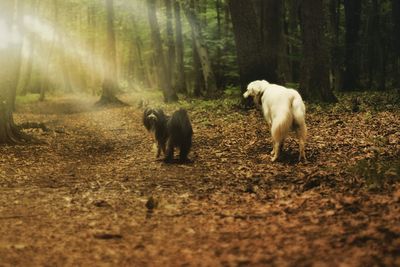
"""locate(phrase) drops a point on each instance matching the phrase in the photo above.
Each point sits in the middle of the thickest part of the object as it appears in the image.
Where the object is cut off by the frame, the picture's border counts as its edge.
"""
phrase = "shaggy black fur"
(170, 132)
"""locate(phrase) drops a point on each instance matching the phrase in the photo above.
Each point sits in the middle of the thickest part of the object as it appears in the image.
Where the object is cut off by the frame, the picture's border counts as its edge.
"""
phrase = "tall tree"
(10, 56)
(110, 82)
(314, 80)
(396, 41)
(248, 42)
(376, 43)
(272, 39)
(164, 78)
(170, 43)
(202, 51)
(44, 86)
(293, 41)
(351, 76)
(180, 70)
(141, 76)
(334, 25)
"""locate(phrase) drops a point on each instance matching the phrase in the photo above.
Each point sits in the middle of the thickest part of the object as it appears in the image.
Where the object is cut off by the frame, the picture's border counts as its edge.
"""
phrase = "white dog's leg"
(301, 133)
(276, 151)
(279, 130)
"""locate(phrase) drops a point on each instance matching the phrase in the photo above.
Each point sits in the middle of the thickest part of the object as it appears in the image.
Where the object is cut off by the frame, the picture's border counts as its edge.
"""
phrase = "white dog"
(284, 110)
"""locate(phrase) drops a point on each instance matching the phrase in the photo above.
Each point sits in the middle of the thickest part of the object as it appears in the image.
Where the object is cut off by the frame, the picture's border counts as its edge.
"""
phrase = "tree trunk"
(180, 68)
(45, 81)
(91, 15)
(170, 43)
(272, 39)
(63, 55)
(351, 77)
(28, 72)
(334, 19)
(10, 57)
(199, 85)
(169, 93)
(248, 43)
(396, 41)
(141, 76)
(218, 60)
(30, 36)
(314, 81)
(110, 82)
(375, 45)
(208, 73)
(19, 14)
(294, 33)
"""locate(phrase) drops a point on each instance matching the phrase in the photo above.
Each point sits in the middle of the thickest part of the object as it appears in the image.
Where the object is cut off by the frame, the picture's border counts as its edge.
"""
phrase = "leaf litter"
(94, 192)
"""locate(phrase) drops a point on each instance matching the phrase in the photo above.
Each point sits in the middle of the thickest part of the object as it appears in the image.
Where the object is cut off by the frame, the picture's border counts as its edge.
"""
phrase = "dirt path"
(80, 199)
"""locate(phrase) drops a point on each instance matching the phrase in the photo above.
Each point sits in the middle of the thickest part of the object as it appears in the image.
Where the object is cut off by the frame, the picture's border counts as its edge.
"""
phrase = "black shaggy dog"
(170, 132)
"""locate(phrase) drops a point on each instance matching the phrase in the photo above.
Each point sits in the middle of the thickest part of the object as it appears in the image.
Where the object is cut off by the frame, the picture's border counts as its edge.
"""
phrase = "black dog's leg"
(169, 156)
(158, 151)
(159, 148)
(163, 148)
(184, 151)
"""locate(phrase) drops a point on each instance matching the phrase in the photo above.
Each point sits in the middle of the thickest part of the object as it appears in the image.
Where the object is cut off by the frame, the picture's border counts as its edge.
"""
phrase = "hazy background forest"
(202, 47)
(80, 184)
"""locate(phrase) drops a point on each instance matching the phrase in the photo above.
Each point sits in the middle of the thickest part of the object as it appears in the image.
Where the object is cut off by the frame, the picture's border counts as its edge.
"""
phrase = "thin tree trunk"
(272, 39)
(248, 43)
(199, 85)
(19, 14)
(208, 73)
(197, 74)
(170, 43)
(31, 52)
(314, 81)
(396, 41)
(218, 60)
(28, 72)
(110, 83)
(10, 57)
(334, 15)
(180, 70)
(138, 44)
(351, 76)
(375, 45)
(91, 14)
(294, 49)
(169, 93)
(61, 43)
(44, 76)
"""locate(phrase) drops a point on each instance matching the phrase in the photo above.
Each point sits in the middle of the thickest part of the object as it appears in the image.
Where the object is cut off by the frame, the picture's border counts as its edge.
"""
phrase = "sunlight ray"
(74, 49)
(7, 37)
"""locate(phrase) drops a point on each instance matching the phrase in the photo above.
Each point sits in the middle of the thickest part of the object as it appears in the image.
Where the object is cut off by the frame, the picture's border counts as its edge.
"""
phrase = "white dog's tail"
(299, 115)
(281, 126)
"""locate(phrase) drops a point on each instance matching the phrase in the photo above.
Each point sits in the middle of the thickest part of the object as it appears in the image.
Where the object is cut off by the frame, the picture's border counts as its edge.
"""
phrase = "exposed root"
(110, 101)
(33, 125)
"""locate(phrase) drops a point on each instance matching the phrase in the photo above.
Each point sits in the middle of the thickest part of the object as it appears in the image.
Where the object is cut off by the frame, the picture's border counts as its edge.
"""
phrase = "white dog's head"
(256, 89)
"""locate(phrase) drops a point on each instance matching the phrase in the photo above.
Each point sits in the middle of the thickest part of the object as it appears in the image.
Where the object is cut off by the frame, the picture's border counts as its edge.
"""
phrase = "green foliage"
(26, 99)
(367, 103)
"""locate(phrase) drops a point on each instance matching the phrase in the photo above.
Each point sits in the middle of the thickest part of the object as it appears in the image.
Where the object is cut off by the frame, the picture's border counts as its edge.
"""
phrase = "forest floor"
(79, 198)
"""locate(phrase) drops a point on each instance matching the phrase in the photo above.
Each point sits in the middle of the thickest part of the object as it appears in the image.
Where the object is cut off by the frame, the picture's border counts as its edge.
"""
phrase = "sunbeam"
(8, 37)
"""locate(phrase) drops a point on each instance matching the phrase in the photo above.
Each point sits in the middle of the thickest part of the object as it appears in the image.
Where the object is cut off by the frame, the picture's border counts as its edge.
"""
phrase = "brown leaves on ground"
(95, 194)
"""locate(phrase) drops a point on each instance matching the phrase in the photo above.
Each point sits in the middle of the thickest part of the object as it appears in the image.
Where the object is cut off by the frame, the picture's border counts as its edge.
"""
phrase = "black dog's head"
(153, 117)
